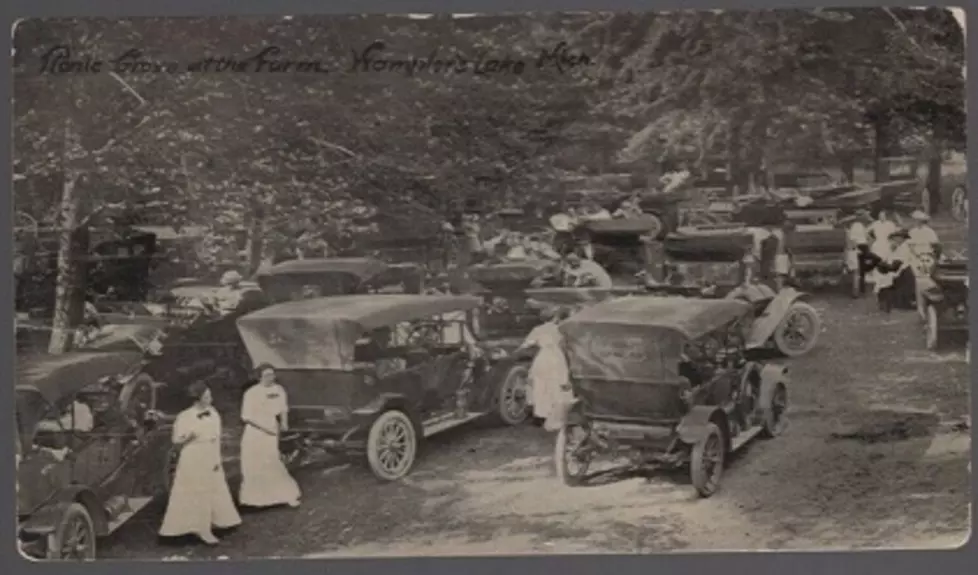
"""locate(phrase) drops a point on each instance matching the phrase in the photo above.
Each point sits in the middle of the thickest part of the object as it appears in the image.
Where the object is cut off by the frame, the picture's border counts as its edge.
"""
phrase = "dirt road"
(872, 458)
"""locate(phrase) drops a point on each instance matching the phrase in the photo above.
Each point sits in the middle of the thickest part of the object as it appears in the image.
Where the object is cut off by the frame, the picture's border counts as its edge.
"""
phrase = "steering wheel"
(424, 332)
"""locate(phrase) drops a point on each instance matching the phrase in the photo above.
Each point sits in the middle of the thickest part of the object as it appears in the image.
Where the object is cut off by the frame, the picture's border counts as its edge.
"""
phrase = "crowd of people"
(897, 259)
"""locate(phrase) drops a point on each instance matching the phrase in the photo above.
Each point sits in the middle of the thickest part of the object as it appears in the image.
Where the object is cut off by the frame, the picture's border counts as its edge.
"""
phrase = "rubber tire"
(169, 470)
(662, 229)
(373, 457)
(560, 462)
(75, 512)
(130, 389)
(958, 196)
(851, 281)
(932, 331)
(779, 338)
(500, 408)
(769, 427)
(697, 471)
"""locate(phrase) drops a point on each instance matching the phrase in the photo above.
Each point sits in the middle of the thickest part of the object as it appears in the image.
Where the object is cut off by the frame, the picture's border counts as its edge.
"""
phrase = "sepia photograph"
(423, 285)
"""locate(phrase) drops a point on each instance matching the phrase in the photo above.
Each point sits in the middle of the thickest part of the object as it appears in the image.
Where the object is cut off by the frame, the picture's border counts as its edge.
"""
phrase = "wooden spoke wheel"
(773, 405)
(138, 397)
(932, 329)
(74, 537)
(959, 204)
(392, 445)
(798, 331)
(707, 460)
(572, 454)
(513, 407)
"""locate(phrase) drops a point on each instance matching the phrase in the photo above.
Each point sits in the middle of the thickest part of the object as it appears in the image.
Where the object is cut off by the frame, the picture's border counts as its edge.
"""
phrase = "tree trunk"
(880, 145)
(934, 165)
(255, 242)
(847, 163)
(62, 327)
(733, 157)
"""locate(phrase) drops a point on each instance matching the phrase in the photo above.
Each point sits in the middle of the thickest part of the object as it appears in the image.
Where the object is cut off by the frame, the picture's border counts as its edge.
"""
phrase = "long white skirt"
(264, 479)
(548, 374)
(199, 498)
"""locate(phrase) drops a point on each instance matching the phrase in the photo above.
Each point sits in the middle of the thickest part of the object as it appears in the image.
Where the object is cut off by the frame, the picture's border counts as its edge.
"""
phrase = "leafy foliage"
(267, 160)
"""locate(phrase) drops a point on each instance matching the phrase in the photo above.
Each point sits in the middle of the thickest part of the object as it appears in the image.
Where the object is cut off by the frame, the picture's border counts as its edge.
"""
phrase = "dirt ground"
(875, 456)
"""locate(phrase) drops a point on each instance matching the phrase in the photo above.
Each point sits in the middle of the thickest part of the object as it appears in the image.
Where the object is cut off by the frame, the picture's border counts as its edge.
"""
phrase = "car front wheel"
(959, 204)
(798, 331)
(74, 537)
(513, 407)
(392, 445)
(932, 329)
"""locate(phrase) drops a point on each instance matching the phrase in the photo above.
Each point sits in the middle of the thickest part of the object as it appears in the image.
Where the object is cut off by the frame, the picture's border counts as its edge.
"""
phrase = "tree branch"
(128, 88)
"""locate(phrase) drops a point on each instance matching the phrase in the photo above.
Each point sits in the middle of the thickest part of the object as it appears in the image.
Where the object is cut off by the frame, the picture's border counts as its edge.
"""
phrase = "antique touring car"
(715, 263)
(621, 245)
(946, 301)
(78, 477)
(371, 376)
(307, 278)
(665, 382)
(505, 316)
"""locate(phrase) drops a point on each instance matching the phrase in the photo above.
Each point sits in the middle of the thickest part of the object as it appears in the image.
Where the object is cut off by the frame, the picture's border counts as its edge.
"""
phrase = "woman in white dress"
(264, 411)
(879, 233)
(200, 499)
(549, 377)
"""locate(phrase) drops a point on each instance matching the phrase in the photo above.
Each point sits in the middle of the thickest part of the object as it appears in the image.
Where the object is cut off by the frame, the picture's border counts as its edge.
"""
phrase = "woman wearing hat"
(894, 278)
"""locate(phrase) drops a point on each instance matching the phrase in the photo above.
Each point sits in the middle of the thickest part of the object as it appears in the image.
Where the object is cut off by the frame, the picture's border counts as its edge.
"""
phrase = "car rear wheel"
(658, 228)
(932, 329)
(138, 397)
(170, 469)
(513, 407)
(798, 331)
(706, 461)
(571, 456)
(925, 203)
(74, 537)
(959, 204)
(851, 282)
(773, 405)
(392, 445)
(292, 450)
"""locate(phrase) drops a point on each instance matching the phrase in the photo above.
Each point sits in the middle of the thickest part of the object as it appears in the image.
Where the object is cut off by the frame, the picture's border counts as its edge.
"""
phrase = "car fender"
(930, 290)
(573, 413)
(772, 374)
(763, 327)
(386, 402)
(45, 520)
(692, 427)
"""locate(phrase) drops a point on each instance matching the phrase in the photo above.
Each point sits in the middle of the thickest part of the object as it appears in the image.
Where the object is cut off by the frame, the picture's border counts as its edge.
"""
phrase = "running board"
(744, 436)
(135, 504)
(439, 424)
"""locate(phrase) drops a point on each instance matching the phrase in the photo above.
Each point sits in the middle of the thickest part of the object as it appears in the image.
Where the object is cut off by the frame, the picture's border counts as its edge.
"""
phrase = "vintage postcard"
(476, 284)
